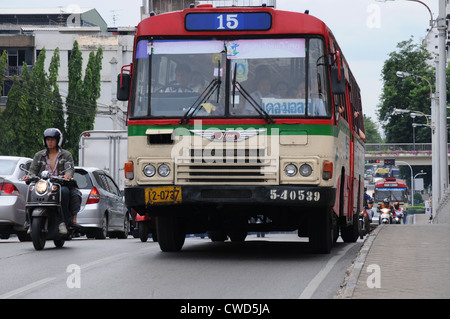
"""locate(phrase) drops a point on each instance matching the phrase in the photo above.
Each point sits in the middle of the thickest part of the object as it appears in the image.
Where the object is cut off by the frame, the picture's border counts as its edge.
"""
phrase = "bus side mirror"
(123, 87)
(337, 80)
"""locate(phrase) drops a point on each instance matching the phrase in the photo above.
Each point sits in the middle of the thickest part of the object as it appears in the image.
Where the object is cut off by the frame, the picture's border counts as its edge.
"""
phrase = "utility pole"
(441, 77)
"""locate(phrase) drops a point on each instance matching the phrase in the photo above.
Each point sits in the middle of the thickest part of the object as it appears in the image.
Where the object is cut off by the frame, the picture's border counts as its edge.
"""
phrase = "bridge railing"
(401, 149)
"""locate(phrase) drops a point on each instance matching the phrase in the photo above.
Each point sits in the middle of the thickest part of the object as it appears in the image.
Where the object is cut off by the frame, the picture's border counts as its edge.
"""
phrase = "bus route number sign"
(243, 21)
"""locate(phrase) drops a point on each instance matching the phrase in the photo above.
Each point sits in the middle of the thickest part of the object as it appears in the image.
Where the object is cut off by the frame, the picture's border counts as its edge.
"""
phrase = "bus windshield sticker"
(185, 47)
(284, 106)
(273, 48)
(229, 21)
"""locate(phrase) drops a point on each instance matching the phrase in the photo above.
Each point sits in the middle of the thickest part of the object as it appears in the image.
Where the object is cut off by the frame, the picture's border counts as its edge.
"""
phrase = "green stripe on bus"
(284, 129)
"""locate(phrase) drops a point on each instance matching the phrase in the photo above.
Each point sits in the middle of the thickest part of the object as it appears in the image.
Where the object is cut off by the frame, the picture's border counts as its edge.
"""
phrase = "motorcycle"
(385, 216)
(43, 206)
(364, 223)
(397, 219)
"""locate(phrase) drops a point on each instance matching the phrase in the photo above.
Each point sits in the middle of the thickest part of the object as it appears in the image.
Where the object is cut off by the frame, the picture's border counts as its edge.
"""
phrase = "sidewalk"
(402, 261)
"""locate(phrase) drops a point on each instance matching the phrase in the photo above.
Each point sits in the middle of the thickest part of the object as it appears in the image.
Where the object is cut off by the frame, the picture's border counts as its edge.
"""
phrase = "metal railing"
(401, 149)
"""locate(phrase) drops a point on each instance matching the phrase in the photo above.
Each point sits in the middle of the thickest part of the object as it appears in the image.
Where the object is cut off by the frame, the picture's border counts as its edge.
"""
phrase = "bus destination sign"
(236, 21)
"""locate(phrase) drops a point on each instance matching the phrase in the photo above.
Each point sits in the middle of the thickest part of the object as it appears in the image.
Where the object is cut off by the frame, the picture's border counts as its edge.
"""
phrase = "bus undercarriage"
(231, 212)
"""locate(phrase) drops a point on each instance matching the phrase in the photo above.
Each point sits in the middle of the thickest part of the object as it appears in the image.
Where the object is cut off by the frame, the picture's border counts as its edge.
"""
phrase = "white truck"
(106, 150)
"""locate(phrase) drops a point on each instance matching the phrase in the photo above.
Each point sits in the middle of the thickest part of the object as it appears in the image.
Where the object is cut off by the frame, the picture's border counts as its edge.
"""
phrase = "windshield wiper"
(204, 96)
(251, 100)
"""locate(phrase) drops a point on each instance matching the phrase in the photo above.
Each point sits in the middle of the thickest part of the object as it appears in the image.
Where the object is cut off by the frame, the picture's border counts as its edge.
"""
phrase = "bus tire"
(321, 231)
(350, 233)
(237, 235)
(170, 234)
(217, 235)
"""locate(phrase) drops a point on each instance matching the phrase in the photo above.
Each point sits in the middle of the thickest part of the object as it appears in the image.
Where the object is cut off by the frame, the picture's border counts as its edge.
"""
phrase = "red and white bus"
(392, 189)
(239, 114)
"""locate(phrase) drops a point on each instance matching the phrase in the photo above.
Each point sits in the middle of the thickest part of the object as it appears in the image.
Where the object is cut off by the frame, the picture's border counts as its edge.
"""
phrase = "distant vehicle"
(394, 172)
(107, 150)
(375, 219)
(103, 212)
(12, 196)
(394, 189)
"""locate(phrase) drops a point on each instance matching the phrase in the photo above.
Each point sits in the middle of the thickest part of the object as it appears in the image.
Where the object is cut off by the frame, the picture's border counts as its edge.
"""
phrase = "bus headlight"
(41, 187)
(149, 170)
(164, 170)
(305, 170)
(290, 170)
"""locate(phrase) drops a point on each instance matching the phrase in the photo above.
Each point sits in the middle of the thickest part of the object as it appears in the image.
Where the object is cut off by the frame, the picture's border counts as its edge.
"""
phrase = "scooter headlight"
(41, 187)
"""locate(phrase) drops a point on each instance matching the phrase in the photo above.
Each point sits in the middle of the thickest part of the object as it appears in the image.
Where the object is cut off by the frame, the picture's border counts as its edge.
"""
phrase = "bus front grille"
(230, 167)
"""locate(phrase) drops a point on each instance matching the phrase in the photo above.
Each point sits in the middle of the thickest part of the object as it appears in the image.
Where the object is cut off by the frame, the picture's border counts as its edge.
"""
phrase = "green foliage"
(406, 93)
(35, 103)
(82, 97)
(3, 64)
(371, 129)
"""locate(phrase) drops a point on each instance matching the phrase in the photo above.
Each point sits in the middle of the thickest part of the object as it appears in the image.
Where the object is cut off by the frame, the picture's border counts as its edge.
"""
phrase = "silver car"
(12, 196)
(103, 212)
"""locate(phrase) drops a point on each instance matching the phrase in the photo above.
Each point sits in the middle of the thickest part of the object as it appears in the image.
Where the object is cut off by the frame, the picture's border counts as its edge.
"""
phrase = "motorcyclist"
(387, 204)
(398, 211)
(52, 159)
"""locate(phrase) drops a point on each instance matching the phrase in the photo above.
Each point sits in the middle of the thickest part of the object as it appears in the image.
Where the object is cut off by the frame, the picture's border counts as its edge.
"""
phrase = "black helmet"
(55, 133)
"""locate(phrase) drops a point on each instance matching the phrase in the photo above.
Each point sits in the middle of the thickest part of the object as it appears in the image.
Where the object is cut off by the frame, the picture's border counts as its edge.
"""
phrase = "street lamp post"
(412, 181)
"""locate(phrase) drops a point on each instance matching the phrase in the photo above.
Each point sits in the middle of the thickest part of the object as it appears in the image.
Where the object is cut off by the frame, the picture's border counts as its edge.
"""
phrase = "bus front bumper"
(289, 195)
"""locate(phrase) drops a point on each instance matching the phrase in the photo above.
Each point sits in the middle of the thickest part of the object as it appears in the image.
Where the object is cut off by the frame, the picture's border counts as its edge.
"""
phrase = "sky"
(366, 30)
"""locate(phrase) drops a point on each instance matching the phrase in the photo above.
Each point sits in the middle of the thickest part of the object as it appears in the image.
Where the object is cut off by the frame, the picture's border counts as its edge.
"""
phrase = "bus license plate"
(163, 195)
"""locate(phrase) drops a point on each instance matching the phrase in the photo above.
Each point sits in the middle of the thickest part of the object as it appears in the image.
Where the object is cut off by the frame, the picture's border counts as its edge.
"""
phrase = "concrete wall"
(443, 212)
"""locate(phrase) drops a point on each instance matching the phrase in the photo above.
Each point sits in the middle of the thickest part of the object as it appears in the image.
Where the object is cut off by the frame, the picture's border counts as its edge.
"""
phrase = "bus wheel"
(350, 233)
(217, 235)
(237, 235)
(321, 231)
(170, 233)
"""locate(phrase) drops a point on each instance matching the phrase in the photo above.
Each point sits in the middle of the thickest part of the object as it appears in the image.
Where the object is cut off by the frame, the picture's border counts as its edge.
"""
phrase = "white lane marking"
(27, 287)
(317, 280)
(44, 281)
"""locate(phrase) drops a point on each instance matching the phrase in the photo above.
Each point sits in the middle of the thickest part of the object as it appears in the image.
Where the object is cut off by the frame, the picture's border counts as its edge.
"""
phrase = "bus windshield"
(230, 78)
(393, 194)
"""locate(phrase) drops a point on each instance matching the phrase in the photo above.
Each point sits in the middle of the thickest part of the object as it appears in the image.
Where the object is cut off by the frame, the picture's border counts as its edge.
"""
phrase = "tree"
(38, 95)
(405, 93)
(75, 114)
(3, 64)
(57, 104)
(34, 103)
(371, 130)
(16, 120)
(81, 101)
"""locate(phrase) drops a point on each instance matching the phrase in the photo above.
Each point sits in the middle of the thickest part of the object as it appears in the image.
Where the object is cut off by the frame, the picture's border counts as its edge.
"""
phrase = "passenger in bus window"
(282, 89)
(263, 90)
(357, 120)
